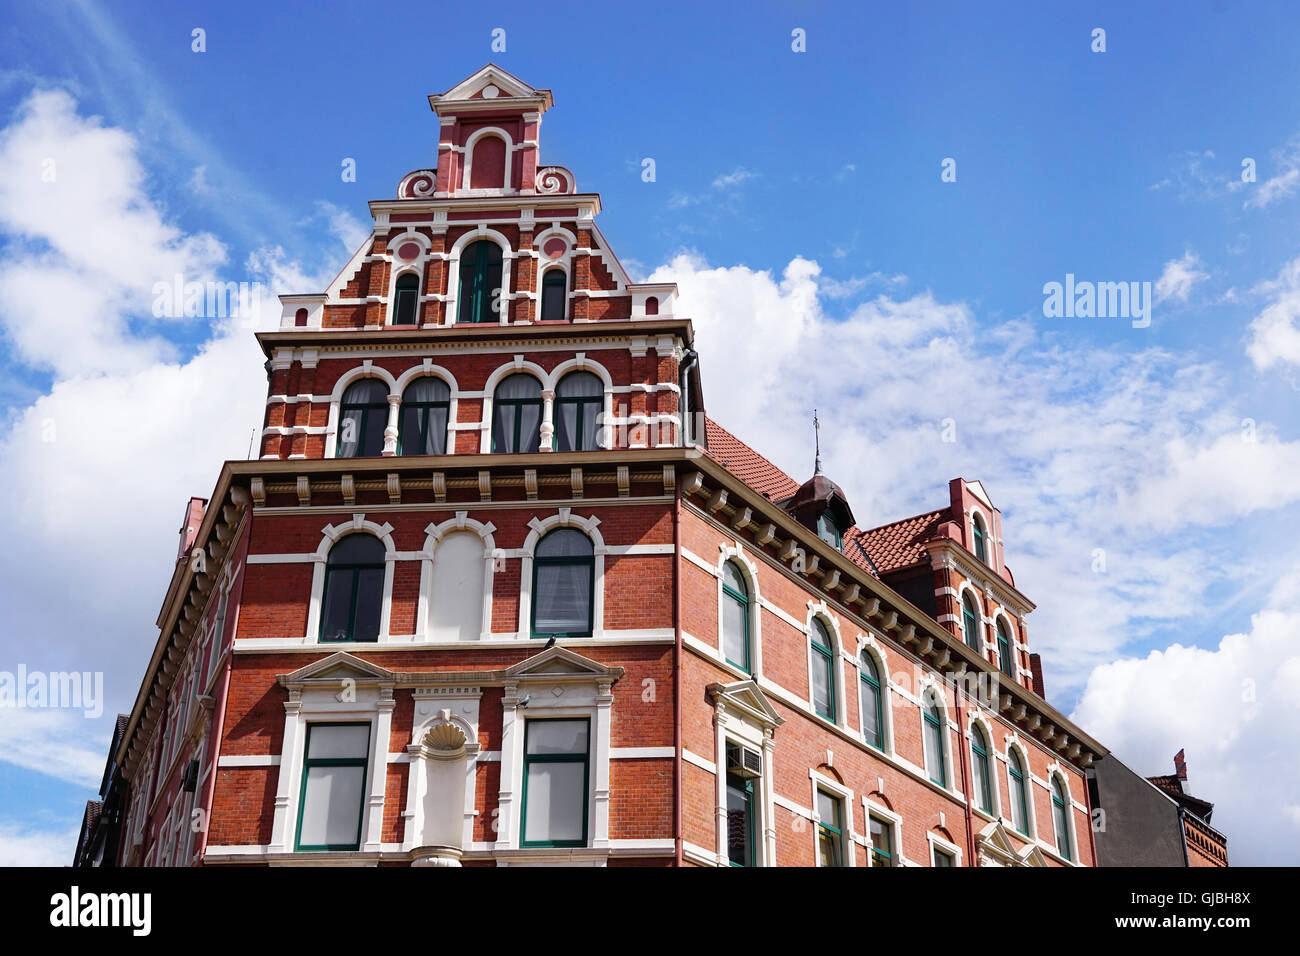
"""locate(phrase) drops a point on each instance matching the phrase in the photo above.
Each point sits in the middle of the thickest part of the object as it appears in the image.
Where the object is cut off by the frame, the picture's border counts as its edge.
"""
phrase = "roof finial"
(817, 440)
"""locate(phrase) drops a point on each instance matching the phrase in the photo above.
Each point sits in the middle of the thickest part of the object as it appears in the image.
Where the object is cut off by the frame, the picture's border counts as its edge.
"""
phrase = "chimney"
(1180, 766)
(190, 526)
(1036, 668)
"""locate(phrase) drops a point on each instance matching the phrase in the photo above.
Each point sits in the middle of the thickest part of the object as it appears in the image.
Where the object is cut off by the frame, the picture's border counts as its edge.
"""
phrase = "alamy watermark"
(1101, 300)
(179, 299)
(65, 690)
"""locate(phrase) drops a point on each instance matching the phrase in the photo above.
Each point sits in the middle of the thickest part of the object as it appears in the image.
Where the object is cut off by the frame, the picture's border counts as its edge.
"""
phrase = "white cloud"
(30, 846)
(85, 245)
(1178, 277)
(733, 178)
(1232, 708)
(1282, 184)
(56, 743)
(1275, 332)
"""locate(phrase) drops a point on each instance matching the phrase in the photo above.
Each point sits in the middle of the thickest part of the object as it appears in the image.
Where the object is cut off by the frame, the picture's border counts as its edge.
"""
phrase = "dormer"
(488, 145)
(820, 506)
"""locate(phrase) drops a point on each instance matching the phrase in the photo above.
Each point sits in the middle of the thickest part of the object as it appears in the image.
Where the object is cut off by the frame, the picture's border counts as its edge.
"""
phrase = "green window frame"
(555, 293)
(1061, 819)
(1005, 660)
(365, 406)
(344, 569)
(970, 622)
(480, 280)
(422, 424)
(533, 761)
(980, 768)
(828, 529)
(1019, 797)
(310, 763)
(933, 720)
(406, 299)
(552, 567)
(735, 596)
(823, 670)
(881, 833)
(740, 821)
(830, 832)
(871, 703)
(979, 535)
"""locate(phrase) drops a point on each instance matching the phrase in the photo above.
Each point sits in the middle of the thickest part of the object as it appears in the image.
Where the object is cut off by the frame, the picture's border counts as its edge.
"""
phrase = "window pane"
(503, 428)
(882, 843)
(557, 802)
(821, 684)
(943, 859)
(733, 579)
(350, 432)
(553, 295)
(979, 773)
(333, 742)
(566, 427)
(934, 751)
(427, 389)
(564, 543)
(336, 615)
(372, 433)
(370, 597)
(735, 646)
(357, 549)
(739, 821)
(870, 702)
(828, 808)
(563, 599)
(557, 737)
(530, 421)
(828, 848)
(331, 811)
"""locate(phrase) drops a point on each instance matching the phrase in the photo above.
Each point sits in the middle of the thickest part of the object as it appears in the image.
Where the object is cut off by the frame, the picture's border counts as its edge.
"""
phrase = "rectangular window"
(333, 786)
(942, 857)
(882, 842)
(555, 783)
(740, 820)
(830, 831)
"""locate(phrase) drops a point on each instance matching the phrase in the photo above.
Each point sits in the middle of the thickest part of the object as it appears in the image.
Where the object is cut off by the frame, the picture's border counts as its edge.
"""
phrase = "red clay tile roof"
(748, 465)
(898, 545)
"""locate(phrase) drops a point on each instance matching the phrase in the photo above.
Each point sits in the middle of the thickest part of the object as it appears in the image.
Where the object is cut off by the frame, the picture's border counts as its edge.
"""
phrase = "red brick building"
(497, 591)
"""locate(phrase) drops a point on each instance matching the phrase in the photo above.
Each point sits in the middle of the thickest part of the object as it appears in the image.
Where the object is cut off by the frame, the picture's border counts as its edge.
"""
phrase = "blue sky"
(798, 202)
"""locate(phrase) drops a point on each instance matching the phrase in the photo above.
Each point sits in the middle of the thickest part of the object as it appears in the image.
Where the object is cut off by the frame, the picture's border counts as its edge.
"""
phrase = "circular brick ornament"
(408, 251)
(555, 248)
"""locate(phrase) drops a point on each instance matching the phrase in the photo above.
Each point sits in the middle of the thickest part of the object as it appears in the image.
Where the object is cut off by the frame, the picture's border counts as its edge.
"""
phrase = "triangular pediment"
(338, 666)
(995, 839)
(562, 662)
(1032, 856)
(977, 489)
(473, 86)
(746, 697)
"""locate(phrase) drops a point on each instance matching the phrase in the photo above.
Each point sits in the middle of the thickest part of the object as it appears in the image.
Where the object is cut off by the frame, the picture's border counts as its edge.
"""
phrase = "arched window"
(579, 400)
(480, 282)
(406, 294)
(934, 717)
(1005, 660)
(423, 424)
(1061, 818)
(563, 581)
(363, 417)
(554, 293)
(517, 414)
(823, 671)
(652, 305)
(735, 617)
(456, 594)
(970, 622)
(872, 703)
(1019, 797)
(354, 590)
(977, 533)
(980, 774)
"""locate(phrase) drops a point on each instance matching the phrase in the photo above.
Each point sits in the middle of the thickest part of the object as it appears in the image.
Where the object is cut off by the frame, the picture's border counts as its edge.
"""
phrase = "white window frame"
(849, 838)
(330, 536)
(895, 821)
(867, 644)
